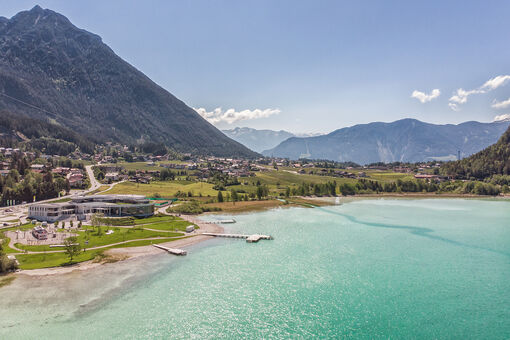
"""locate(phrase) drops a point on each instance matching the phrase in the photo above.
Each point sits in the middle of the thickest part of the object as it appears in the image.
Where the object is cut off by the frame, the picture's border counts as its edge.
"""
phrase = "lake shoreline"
(115, 255)
(125, 254)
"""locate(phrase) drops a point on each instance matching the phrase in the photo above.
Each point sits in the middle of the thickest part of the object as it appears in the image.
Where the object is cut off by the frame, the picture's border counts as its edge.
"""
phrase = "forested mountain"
(494, 160)
(406, 140)
(41, 135)
(53, 71)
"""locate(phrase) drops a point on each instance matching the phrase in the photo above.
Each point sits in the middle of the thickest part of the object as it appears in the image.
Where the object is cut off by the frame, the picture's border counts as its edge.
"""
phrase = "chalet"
(112, 176)
(75, 180)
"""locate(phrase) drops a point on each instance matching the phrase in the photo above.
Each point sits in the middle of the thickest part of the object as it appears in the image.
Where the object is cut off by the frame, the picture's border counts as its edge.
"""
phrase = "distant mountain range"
(407, 140)
(54, 72)
(260, 140)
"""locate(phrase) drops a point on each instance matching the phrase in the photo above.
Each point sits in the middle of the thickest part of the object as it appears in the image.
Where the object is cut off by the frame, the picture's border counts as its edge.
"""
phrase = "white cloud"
(505, 117)
(454, 106)
(230, 116)
(461, 95)
(496, 82)
(501, 105)
(423, 97)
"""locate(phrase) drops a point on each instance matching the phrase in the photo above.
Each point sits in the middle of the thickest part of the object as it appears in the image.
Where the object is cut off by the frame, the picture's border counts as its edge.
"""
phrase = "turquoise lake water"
(373, 269)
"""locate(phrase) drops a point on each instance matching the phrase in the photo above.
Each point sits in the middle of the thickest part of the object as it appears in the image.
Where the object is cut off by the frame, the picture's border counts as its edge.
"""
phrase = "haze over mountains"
(260, 140)
(406, 140)
(52, 71)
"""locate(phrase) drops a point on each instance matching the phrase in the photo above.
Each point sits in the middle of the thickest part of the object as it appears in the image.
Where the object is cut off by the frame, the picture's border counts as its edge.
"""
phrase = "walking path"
(21, 251)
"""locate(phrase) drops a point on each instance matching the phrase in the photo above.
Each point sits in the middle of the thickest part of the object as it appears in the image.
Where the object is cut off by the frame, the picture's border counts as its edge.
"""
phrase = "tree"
(234, 195)
(72, 247)
(96, 221)
(347, 189)
(260, 192)
(220, 197)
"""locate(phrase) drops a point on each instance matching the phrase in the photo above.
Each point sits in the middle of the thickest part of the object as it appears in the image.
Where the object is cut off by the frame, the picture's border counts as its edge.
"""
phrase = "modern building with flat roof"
(82, 207)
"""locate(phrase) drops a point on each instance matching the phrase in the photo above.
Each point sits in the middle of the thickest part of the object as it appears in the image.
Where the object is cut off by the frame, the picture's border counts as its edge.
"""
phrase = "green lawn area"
(119, 235)
(26, 226)
(383, 176)
(35, 261)
(277, 181)
(165, 222)
(170, 226)
(164, 188)
(5, 245)
(101, 188)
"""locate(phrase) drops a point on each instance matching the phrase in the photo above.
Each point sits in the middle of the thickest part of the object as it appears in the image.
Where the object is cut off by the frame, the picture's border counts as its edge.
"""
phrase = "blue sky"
(311, 66)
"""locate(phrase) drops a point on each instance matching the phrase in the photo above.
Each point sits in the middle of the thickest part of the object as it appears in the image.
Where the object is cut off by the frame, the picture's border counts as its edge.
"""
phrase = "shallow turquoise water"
(366, 269)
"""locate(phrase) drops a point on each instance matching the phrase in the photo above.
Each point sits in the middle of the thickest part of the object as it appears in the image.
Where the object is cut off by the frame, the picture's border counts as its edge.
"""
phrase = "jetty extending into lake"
(174, 251)
(221, 221)
(249, 238)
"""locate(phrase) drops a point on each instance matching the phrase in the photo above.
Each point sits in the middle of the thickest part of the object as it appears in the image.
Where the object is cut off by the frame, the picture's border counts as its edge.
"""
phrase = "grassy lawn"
(165, 222)
(156, 218)
(35, 261)
(385, 176)
(170, 226)
(23, 227)
(164, 188)
(101, 188)
(5, 245)
(119, 235)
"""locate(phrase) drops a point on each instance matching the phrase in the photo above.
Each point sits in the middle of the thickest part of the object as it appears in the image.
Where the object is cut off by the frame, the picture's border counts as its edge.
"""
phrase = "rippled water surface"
(366, 269)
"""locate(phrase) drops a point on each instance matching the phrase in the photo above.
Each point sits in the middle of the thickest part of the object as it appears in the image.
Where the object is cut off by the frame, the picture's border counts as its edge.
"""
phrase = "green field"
(5, 245)
(47, 260)
(164, 223)
(35, 261)
(165, 188)
(101, 188)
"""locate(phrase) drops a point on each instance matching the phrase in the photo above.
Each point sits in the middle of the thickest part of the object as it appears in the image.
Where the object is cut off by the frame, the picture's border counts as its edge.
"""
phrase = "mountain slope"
(80, 83)
(41, 135)
(257, 140)
(494, 160)
(407, 140)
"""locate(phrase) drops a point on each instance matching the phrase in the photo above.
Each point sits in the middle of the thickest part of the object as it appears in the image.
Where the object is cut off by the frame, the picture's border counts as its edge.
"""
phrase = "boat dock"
(249, 238)
(174, 251)
(220, 222)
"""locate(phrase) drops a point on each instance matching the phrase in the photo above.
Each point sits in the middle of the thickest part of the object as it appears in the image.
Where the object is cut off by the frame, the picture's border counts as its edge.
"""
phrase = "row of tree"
(41, 186)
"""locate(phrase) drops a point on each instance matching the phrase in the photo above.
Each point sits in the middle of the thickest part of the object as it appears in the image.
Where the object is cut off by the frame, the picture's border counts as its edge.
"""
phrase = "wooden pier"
(174, 251)
(220, 222)
(249, 238)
